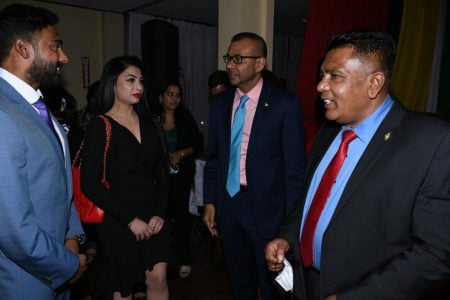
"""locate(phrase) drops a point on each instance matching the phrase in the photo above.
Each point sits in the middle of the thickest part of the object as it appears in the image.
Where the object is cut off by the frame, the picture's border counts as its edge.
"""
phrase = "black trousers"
(244, 251)
(180, 187)
(312, 283)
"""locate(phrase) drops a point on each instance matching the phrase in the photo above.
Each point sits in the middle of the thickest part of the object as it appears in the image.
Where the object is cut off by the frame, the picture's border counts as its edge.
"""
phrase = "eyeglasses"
(237, 59)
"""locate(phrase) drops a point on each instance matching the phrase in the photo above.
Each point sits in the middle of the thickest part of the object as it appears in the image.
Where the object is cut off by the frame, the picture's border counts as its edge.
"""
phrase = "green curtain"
(412, 70)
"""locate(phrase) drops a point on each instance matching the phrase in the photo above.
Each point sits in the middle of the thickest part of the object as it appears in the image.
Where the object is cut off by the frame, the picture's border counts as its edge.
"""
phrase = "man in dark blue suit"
(249, 189)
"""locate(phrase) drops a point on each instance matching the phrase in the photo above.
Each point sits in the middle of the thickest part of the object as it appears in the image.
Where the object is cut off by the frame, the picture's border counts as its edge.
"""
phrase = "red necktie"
(320, 198)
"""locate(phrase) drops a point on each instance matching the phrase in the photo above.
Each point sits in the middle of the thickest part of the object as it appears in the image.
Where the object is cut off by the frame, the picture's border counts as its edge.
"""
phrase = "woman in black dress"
(133, 235)
(184, 144)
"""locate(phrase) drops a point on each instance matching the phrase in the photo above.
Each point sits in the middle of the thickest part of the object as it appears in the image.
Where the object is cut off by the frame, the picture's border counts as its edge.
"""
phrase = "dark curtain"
(444, 86)
(326, 18)
(159, 42)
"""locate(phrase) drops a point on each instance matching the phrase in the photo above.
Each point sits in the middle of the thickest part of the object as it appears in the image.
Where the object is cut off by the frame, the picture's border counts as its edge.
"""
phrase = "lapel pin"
(266, 104)
(387, 136)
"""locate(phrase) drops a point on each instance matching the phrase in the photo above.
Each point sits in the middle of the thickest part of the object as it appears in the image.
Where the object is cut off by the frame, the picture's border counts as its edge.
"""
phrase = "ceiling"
(290, 15)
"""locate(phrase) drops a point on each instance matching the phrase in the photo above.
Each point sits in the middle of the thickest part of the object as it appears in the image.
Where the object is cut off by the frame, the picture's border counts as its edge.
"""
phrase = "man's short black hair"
(254, 37)
(22, 21)
(366, 43)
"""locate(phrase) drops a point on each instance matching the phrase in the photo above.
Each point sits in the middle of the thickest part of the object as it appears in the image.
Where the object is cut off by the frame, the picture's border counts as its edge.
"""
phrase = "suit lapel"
(66, 159)
(228, 108)
(29, 111)
(262, 109)
(323, 141)
(381, 140)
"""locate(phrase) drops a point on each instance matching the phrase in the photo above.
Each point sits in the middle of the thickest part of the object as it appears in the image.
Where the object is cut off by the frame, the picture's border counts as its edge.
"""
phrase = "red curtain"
(326, 18)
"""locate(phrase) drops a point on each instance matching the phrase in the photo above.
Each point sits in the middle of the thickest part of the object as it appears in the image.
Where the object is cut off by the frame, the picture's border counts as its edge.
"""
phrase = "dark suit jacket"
(275, 158)
(389, 237)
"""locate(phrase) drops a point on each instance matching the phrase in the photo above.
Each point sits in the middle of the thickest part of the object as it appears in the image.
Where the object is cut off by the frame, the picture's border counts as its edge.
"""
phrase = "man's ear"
(376, 84)
(23, 48)
(260, 64)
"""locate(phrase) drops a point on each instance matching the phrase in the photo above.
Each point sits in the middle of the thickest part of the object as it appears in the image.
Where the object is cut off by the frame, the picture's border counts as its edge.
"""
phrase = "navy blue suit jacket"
(275, 162)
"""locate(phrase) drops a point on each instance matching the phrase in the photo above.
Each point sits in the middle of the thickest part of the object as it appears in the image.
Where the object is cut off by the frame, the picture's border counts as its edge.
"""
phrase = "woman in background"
(134, 236)
(183, 143)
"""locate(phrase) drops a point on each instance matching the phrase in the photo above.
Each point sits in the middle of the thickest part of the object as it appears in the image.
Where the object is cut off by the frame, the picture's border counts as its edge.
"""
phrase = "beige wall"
(86, 33)
(250, 15)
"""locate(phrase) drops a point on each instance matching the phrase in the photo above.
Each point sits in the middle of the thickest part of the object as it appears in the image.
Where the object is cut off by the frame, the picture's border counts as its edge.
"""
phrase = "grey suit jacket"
(389, 237)
(36, 211)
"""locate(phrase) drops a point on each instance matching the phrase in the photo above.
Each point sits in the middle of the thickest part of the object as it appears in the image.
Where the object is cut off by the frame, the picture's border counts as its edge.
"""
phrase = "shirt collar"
(23, 88)
(366, 129)
(253, 94)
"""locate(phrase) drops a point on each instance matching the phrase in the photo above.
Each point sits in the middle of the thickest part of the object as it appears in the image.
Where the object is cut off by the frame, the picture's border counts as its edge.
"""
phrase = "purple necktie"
(45, 116)
(43, 112)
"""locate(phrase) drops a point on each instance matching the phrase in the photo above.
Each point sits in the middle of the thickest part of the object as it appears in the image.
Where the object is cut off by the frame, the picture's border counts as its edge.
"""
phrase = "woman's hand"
(176, 157)
(155, 224)
(140, 229)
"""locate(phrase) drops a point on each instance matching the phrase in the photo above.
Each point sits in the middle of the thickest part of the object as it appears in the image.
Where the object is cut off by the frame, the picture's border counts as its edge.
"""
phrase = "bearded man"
(40, 229)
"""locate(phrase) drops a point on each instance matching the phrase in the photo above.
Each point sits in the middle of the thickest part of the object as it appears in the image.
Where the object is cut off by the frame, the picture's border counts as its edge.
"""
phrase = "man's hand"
(275, 251)
(82, 267)
(208, 218)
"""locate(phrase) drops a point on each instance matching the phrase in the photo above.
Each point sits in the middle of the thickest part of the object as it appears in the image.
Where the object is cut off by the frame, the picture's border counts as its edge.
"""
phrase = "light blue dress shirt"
(364, 131)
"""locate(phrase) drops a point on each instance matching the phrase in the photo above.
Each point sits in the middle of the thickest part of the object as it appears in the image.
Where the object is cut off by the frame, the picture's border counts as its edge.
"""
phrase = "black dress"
(138, 181)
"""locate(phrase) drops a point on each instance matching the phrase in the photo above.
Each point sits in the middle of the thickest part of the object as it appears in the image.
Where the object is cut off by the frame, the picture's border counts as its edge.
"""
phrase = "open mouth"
(327, 102)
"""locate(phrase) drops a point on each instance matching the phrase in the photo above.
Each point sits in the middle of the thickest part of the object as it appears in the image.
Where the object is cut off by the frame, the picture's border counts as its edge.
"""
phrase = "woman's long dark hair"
(104, 98)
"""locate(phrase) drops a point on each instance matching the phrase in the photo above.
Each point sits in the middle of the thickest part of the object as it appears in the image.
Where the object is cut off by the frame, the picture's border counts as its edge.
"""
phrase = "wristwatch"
(78, 238)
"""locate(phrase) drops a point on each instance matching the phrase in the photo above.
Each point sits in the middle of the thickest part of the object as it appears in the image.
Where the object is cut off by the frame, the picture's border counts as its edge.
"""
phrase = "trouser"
(244, 251)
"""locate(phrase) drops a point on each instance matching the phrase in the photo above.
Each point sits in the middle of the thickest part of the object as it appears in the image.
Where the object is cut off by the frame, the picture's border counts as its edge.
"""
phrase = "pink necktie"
(320, 198)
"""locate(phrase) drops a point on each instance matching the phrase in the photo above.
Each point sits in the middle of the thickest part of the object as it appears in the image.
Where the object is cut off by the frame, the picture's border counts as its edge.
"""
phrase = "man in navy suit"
(384, 230)
(39, 227)
(271, 162)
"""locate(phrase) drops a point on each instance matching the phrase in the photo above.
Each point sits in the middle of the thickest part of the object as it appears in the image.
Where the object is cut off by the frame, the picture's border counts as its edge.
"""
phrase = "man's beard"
(44, 73)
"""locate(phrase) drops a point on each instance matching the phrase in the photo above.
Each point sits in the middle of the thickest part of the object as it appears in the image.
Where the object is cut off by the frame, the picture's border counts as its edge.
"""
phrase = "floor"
(208, 280)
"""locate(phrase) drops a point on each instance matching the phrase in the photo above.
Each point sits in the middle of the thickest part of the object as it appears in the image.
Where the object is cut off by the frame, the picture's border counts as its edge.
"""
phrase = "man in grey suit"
(39, 227)
(382, 229)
